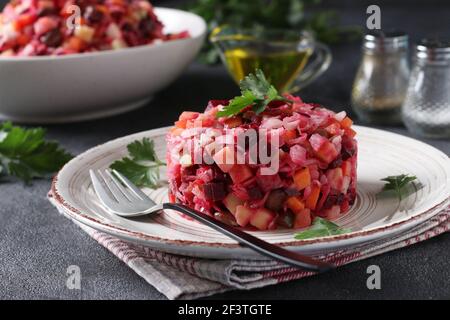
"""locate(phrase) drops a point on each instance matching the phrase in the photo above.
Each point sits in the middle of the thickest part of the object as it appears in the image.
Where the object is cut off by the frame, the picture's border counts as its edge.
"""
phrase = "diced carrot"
(23, 21)
(303, 219)
(23, 39)
(101, 8)
(188, 115)
(176, 131)
(181, 124)
(346, 123)
(313, 197)
(350, 132)
(76, 44)
(302, 178)
(289, 135)
(346, 168)
(295, 204)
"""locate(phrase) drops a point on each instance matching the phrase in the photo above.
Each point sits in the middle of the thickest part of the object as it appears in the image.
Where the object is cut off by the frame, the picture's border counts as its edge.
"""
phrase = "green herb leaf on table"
(25, 154)
(321, 228)
(142, 165)
(398, 184)
(256, 91)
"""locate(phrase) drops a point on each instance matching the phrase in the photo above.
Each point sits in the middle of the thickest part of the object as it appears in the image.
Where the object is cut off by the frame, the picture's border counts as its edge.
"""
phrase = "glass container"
(381, 82)
(426, 111)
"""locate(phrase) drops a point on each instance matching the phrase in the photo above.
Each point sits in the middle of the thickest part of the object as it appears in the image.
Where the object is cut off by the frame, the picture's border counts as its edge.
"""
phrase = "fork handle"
(263, 247)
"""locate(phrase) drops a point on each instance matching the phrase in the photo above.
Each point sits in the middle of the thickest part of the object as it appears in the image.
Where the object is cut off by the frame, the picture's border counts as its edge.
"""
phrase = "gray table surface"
(37, 244)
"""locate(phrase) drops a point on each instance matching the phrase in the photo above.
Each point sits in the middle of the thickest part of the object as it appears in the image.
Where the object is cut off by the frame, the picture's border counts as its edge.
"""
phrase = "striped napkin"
(180, 277)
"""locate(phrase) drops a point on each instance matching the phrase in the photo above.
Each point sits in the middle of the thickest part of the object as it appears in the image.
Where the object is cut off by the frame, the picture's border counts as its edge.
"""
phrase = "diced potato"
(243, 215)
(303, 219)
(225, 159)
(232, 202)
(85, 33)
(262, 218)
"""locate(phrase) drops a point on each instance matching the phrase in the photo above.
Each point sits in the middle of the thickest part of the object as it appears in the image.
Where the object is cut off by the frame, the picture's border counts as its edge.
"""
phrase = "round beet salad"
(210, 168)
(263, 160)
(59, 27)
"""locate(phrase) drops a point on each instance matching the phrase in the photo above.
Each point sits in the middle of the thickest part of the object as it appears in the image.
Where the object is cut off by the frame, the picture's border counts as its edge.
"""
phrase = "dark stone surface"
(37, 244)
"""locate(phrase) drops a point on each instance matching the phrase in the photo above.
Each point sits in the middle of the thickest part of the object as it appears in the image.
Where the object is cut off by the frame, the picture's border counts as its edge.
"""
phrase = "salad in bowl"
(55, 27)
(73, 60)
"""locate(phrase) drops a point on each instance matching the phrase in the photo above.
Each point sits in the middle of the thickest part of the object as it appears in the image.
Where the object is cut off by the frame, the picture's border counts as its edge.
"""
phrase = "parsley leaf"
(142, 165)
(259, 86)
(256, 91)
(238, 104)
(398, 184)
(25, 154)
(321, 228)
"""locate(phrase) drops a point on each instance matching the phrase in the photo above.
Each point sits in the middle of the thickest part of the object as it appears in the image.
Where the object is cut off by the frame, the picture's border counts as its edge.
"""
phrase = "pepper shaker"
(381, 82)
(426, 111)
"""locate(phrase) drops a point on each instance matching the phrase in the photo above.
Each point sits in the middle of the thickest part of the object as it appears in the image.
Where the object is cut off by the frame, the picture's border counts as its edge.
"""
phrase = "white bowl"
(51, 89)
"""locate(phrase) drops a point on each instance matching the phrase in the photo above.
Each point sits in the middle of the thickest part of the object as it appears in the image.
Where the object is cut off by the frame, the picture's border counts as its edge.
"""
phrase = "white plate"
(371, 218)
(49, 89)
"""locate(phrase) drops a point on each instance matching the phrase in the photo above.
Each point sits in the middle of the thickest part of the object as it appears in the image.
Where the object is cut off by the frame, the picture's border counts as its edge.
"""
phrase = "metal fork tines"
(120, 196)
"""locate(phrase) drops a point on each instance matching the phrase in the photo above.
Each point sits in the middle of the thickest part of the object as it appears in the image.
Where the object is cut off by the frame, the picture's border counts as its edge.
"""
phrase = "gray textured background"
(37, 244)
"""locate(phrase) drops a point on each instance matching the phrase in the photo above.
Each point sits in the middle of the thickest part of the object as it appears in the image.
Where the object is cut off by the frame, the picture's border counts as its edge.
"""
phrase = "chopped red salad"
(315, 176)
(46, 27)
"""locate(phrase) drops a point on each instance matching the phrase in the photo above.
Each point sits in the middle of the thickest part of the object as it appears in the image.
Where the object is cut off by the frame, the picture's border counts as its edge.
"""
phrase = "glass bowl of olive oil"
(290, 60)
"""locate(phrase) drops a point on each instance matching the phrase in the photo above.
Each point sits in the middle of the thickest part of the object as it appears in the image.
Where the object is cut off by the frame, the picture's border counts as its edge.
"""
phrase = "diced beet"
(336, 163)
(215, 191)
(348, 148)
(292, 192)
(276, 199)
(330, 201)
(286, 219)
(254, 193)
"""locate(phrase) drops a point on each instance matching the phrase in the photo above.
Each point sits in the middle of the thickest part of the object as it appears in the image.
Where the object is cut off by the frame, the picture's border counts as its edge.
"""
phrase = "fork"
(123, 198)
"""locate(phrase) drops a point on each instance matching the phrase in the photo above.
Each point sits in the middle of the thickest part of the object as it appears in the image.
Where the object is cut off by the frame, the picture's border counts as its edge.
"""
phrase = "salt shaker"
(381, 82)
(426, 111)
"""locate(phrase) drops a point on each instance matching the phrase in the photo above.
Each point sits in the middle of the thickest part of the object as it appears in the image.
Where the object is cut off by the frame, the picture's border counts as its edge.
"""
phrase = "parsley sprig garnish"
(142, 165)
(256, 92)
(398, 184)
(321, 228)
(26, 155)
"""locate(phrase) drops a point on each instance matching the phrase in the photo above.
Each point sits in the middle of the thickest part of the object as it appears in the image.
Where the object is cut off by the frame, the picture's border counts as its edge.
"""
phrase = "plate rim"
(76, 214)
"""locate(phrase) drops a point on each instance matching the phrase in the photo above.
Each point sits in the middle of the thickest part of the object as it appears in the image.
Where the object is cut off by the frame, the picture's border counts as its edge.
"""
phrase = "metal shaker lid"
(433, 50)
(385, 41)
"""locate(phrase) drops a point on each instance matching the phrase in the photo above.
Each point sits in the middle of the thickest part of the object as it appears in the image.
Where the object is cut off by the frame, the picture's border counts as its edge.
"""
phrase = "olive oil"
(280, 68)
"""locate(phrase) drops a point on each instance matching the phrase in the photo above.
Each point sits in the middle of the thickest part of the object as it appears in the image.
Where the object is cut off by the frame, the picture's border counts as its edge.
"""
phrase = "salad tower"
(314, 150)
